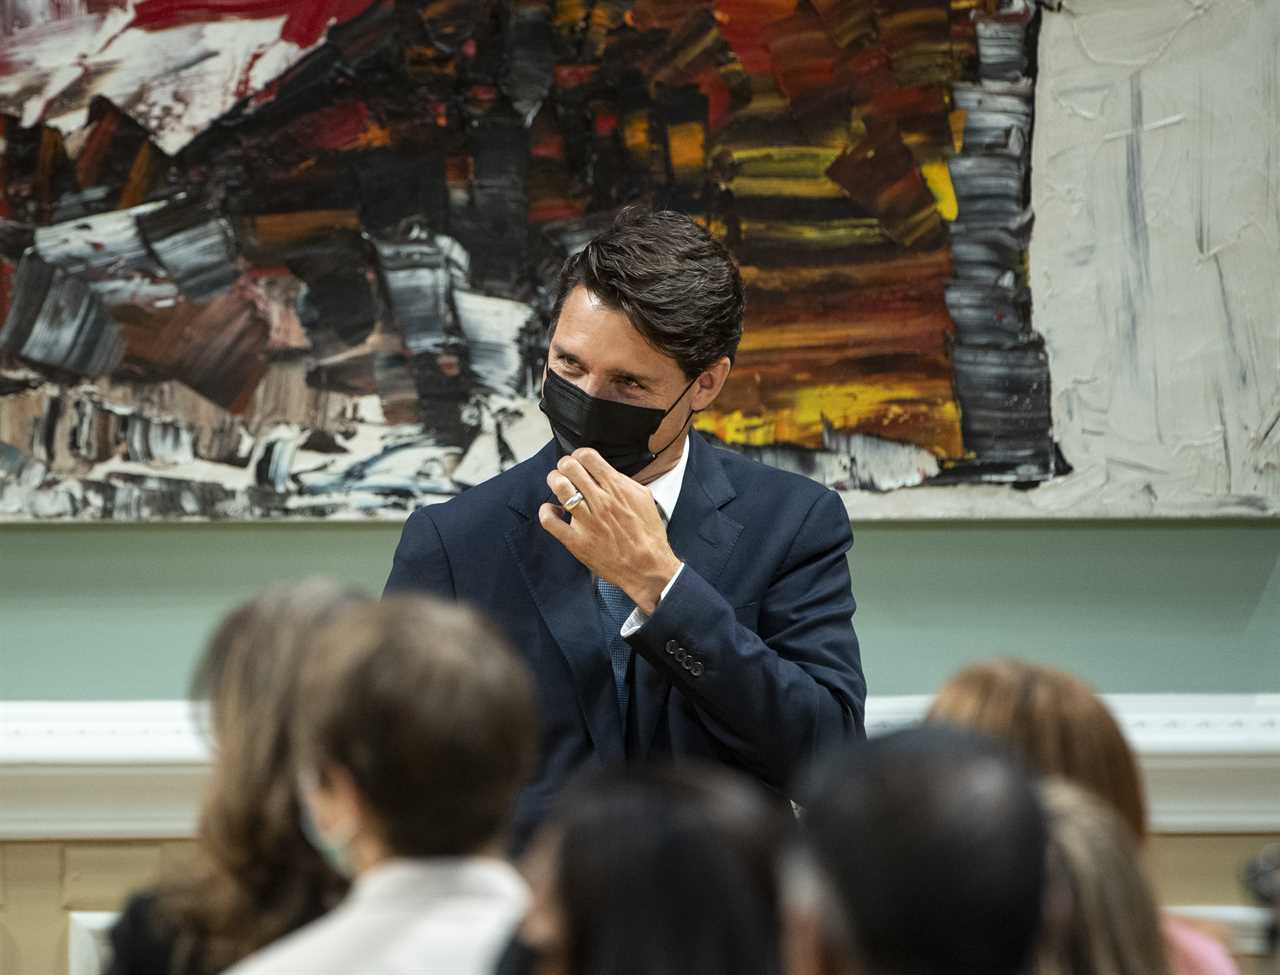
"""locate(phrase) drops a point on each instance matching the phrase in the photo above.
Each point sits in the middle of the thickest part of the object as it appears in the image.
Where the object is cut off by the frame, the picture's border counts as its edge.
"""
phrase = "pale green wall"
(120, 612)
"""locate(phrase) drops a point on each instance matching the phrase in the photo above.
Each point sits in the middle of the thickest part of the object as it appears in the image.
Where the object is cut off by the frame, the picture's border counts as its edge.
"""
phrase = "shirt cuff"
(639, 617)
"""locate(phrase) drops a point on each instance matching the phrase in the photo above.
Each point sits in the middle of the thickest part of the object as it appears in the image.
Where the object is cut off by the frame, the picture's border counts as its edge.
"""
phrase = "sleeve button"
(672, 646)
(696, 668)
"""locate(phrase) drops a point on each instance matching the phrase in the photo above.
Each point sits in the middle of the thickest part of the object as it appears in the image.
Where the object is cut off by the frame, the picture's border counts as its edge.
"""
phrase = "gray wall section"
(112, 612)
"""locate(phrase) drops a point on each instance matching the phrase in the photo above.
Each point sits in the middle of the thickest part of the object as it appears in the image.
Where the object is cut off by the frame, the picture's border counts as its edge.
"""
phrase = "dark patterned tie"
(615, 607)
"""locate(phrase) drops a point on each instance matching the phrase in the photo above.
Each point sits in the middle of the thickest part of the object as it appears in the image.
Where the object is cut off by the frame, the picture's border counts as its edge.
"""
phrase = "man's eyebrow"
(562, 352)
(632, 376)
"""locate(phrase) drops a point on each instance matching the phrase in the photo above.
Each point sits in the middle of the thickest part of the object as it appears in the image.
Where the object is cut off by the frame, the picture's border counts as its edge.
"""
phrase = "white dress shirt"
(666, 492)
(407, 917)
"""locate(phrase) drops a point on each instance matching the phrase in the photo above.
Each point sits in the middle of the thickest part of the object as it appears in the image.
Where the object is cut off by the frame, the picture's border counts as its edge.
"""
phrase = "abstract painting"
(294, 258)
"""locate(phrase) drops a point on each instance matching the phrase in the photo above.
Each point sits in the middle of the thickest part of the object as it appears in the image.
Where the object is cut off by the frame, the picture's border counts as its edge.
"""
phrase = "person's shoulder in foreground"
(452, 917)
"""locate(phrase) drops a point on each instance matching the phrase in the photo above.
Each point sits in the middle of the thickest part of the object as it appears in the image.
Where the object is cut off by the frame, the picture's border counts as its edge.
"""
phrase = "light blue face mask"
(336, 853)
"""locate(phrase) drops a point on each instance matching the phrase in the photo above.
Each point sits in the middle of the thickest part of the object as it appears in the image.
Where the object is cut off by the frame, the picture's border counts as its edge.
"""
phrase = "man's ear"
(708, 385)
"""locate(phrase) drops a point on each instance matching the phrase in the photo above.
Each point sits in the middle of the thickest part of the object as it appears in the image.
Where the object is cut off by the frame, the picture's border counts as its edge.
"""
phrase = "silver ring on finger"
(573, 501)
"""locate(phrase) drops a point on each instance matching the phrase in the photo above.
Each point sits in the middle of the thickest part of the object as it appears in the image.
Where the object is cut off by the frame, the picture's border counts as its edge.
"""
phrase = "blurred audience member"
(416, 726)
(654, 871)
(256, 877)
(1100, 914)
(1062, 728)
(922, 853)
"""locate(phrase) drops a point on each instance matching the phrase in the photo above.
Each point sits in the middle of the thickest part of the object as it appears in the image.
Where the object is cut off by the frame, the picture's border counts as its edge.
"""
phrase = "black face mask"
(619, 432)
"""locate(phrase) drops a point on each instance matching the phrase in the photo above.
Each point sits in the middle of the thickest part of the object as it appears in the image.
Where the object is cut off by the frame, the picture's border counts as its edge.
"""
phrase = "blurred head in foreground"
(416, 727)
(1055, 722)
(1100, 916)
(655, 870)
(922, 853)
(257, 877)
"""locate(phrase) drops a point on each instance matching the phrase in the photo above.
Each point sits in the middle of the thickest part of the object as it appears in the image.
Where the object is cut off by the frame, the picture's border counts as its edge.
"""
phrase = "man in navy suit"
(674, 600)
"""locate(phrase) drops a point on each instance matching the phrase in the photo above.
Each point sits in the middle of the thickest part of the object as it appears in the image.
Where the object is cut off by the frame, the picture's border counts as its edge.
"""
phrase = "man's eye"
(632, 384)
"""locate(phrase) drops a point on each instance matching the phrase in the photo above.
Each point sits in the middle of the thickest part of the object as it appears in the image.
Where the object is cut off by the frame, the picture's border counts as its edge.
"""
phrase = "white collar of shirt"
(416, 880)
(665, 488)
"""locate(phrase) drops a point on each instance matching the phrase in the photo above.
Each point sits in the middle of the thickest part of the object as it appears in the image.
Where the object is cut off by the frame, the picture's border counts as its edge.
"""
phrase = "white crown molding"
(135, 769)
(100, 770)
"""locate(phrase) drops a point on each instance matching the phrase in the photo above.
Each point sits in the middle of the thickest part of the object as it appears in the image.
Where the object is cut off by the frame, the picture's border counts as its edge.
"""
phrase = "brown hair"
(429, 710)
(1057, 723)
(676, 284)
(258, 878)
(1101, 916)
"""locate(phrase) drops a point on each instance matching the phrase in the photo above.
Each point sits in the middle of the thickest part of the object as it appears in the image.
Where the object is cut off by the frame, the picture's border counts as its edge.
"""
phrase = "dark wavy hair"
(257, 878)
(675, 283)
(670, 871)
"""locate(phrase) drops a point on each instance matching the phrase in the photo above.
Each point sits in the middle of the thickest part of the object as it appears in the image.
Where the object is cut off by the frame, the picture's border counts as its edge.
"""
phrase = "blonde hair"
(257, 878)
(1100, 912)
(1055, 721)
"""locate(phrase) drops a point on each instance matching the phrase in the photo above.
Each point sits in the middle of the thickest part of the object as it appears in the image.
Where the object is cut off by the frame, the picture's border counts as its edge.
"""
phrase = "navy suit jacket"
(750, 660)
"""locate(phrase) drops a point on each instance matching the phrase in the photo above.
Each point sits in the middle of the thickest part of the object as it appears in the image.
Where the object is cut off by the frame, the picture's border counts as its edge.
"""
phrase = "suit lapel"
(561, 589)
(702, 537)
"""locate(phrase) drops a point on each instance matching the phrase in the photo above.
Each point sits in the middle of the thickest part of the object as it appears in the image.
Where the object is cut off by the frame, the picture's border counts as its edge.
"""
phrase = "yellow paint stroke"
(846, 232)
(687, 147)
(635, 135)
(956, 120)
(808, 189)
(374, 136)
(276, 229)
(783, 161)
(139, 179)
(917, 410)
(937, 176)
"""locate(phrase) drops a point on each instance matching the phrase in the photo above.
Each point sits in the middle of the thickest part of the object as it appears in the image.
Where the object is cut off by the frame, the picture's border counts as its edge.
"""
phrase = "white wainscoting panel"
(129, 769)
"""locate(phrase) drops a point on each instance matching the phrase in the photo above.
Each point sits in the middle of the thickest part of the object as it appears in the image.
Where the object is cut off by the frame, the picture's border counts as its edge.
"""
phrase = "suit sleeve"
(777, 697)
(421, 563)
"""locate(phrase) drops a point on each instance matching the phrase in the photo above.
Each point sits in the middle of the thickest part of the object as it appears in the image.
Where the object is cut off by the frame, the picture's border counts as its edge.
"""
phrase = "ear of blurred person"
(922, 853)
(415, 728)
(1061, 727)
(256, 878)
(1101, 916)
(654, 869)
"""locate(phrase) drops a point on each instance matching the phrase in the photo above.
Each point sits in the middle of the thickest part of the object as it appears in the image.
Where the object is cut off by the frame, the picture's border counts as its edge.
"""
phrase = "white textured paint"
(174, 82)
(1155, 265)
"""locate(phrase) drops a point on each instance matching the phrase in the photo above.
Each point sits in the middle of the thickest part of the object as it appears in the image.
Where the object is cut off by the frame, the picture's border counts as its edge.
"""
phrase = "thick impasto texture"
(294, 257)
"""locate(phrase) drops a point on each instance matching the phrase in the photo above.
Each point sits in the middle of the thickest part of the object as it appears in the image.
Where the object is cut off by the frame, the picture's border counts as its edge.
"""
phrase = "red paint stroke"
(801, 55)
(336, 127)
(719, 98)
(7, 273)
(604, 124)
(244, 87)
(742, 23)
(570, 76)
(305, 20)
